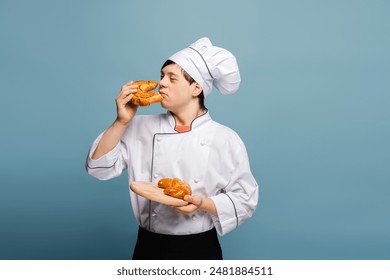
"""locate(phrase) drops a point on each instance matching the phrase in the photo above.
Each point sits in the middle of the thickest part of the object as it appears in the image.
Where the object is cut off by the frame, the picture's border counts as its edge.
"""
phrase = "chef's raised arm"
(105, 159)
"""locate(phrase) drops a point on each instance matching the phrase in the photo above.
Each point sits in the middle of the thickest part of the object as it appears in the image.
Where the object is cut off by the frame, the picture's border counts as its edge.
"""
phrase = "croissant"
(175, 187)
(143, 96)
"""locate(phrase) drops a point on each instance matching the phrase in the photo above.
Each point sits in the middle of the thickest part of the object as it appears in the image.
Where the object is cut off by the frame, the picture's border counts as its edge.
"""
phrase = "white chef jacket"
(210, 157)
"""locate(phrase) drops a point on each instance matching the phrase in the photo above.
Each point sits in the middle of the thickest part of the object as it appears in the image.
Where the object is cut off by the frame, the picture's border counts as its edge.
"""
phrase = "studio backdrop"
(312, 110)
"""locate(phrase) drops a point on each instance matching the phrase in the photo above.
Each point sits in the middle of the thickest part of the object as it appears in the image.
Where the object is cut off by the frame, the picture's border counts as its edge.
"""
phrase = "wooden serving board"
(150, 191)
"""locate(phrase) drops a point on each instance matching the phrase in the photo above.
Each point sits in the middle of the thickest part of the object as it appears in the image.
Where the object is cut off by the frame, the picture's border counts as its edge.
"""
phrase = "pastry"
(144, 96)
(175, 187)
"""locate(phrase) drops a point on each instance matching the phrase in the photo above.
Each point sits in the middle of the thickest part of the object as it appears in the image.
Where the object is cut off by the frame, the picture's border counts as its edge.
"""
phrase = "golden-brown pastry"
(144, 96)
(175, 187)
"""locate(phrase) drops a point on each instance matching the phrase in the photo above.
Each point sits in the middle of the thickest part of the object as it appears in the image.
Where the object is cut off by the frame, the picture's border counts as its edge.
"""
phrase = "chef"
(184, 143)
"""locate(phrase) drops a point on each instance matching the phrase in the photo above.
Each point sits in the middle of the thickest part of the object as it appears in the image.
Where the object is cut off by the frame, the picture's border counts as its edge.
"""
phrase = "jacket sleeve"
(109, 165)
(238, 200)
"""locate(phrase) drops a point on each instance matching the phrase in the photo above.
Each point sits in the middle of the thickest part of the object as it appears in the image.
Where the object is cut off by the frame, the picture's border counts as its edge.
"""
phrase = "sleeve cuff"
(107, 160)
(228, 215)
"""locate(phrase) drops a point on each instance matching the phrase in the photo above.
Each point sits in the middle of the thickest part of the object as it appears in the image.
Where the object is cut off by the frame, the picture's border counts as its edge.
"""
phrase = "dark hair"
(189, 79)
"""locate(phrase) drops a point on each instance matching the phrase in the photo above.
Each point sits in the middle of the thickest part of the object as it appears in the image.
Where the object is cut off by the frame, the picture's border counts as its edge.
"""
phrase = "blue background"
(313, 110)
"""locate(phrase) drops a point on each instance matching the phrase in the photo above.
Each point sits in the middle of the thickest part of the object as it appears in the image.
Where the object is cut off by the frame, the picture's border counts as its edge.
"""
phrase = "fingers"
(125, 109)
(196, 200)
(128, 88)
(185, 210)
(131, 85)
(126, 94)
(194, 204)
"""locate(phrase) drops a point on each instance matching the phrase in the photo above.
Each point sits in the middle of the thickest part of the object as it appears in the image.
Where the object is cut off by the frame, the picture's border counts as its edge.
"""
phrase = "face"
(177, 92)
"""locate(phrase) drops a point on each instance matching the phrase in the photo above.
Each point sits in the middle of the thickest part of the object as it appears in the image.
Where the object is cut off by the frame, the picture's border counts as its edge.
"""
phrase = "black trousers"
(155, 246)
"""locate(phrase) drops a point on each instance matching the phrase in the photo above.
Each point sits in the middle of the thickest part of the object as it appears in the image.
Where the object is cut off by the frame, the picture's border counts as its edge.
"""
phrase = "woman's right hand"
(125, 109)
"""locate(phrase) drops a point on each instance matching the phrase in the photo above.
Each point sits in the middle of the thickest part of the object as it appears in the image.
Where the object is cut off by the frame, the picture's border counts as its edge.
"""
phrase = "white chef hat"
(209, 65)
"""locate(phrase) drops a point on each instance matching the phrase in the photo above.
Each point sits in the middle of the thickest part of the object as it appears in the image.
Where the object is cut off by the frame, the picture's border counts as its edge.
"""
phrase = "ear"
(197, 89)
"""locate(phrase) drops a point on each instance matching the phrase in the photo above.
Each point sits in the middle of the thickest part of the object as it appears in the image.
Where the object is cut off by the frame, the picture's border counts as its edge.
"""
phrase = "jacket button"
(155, 176)
(158, 139)
(193, 217)
(196, 180)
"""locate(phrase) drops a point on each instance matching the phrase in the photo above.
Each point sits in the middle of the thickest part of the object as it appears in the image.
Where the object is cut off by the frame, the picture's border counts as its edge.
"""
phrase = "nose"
(162, 82)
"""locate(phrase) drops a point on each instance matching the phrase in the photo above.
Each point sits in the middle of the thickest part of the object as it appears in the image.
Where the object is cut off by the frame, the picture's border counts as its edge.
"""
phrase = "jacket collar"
(198, 121)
